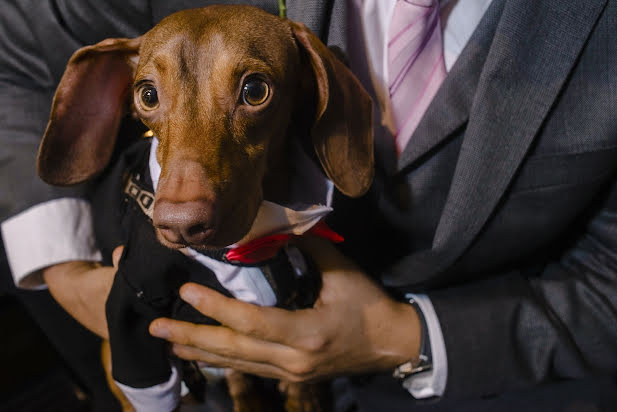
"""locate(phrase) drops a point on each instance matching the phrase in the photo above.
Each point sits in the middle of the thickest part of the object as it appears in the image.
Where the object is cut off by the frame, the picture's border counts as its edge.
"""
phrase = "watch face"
(408, 369)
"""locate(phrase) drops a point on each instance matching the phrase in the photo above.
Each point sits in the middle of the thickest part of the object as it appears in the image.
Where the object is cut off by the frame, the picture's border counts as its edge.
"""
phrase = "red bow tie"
(266, 247)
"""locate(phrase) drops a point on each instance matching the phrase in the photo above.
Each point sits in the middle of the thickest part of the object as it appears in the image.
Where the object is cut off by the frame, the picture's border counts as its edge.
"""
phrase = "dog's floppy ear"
(343, 129)
(89, 104)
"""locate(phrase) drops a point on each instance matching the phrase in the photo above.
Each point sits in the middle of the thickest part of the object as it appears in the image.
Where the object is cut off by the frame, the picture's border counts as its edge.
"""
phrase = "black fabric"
(146, 287)
(78, 348)
(594, 394)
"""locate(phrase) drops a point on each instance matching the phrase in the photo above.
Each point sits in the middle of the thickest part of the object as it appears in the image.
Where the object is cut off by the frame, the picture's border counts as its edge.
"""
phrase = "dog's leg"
(245, 394)
(306, 397)
(106, 360)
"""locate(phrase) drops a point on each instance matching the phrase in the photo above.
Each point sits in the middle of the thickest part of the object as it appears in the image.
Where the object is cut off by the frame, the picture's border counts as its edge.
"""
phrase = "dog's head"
(221, 88)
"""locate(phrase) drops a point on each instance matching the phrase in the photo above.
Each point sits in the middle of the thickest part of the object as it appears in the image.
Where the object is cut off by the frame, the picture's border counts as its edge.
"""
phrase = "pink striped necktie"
(415, 64)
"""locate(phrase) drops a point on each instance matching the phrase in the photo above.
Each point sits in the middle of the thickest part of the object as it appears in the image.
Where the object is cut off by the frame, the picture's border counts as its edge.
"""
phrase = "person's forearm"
(81, 288)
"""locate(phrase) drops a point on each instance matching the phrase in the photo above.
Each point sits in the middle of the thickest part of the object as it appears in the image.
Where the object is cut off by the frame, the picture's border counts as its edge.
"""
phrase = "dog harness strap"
(216, 254)
(141, 196)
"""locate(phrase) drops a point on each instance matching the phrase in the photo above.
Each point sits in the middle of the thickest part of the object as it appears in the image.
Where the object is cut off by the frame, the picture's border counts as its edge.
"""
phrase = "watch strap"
(424, 362)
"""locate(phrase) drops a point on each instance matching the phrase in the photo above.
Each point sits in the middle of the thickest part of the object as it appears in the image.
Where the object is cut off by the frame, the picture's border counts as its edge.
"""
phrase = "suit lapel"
(534, 49)
(450, 107)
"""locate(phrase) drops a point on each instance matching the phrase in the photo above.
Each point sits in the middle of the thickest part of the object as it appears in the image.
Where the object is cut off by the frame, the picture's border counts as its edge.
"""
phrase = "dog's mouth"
(200, 238)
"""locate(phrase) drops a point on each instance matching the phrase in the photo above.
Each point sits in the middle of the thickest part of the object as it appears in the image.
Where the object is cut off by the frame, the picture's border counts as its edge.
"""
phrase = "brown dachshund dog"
(223, 88)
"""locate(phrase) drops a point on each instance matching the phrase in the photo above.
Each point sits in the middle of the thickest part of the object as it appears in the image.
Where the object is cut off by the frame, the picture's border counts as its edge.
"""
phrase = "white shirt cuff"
(49, 233)
(163, 397)
(433, 382)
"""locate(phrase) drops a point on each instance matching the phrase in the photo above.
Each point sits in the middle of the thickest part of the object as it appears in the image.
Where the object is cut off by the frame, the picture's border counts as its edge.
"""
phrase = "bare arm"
(81, 288)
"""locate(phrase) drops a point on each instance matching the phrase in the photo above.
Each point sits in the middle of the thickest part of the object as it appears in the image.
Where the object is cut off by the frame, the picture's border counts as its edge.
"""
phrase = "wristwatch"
(425, 359)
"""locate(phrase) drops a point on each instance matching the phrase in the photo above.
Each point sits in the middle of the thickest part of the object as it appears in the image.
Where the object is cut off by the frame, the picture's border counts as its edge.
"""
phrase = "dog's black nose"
(186, 223)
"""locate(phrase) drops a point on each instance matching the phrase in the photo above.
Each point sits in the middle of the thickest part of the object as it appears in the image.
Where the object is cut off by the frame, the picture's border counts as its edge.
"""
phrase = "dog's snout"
(187, 223)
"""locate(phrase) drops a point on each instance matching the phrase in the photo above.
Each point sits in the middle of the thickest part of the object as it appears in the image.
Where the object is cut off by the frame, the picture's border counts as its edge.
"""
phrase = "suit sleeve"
(530, 326)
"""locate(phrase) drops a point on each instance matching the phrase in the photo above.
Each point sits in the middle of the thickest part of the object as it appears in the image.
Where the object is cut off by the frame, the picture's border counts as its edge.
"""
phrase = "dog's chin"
(221, 239)
(217, 239)
(167, 243)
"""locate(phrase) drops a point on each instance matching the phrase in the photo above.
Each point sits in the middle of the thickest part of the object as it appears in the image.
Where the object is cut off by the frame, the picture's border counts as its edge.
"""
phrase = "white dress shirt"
(61, 230)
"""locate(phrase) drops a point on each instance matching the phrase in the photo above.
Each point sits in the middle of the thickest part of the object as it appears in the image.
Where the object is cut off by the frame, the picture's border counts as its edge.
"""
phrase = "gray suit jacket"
(503, 207)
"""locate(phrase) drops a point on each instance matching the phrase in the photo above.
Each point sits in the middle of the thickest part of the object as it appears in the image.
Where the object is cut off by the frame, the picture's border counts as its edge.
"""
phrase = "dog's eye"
(148, 97)
(255, 92)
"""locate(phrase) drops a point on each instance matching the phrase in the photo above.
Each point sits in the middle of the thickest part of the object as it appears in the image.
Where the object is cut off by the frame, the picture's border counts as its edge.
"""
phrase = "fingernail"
(160, 331)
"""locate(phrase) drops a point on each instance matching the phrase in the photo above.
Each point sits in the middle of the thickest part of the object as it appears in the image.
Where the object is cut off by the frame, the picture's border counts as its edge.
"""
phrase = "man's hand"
(354, 327)
(81, 288)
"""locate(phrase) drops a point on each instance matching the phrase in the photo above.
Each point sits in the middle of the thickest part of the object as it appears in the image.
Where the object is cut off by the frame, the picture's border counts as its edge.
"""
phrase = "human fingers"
(263, 369)
(223, 342)
(290, 328)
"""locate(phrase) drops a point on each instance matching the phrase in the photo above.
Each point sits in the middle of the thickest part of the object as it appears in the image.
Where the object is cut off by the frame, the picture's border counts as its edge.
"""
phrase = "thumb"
(116, 255)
